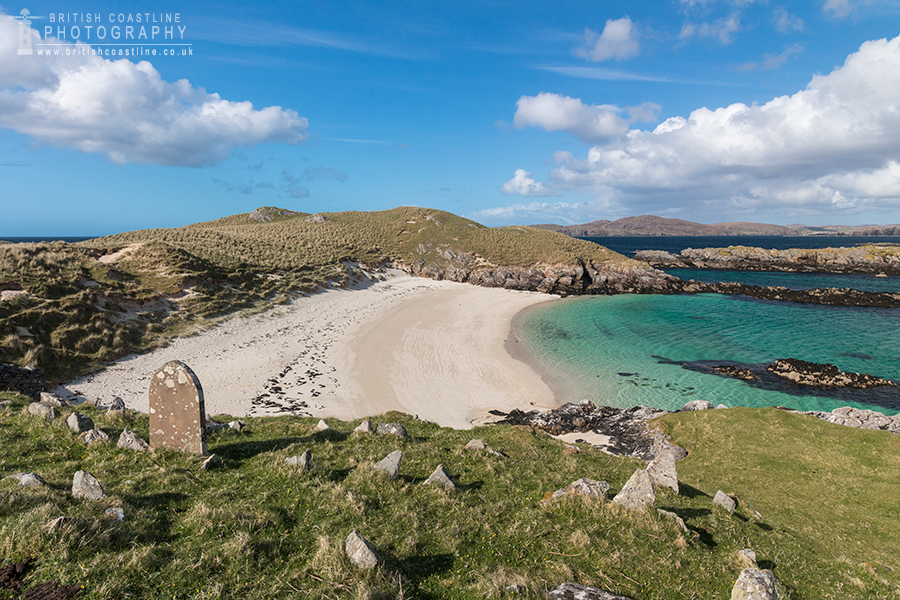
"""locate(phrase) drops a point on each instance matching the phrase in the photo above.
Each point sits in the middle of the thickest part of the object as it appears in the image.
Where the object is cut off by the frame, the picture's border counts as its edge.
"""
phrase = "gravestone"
(177, 411)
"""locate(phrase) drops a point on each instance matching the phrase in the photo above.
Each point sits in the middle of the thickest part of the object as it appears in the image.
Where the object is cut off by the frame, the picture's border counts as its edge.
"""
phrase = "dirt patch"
(121, 253)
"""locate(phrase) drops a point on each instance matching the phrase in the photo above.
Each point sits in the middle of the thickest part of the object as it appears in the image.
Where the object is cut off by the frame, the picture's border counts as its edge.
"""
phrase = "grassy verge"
(257, 529)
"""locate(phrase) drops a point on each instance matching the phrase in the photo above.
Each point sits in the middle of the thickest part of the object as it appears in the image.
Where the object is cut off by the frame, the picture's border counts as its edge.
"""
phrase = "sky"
(506, 112)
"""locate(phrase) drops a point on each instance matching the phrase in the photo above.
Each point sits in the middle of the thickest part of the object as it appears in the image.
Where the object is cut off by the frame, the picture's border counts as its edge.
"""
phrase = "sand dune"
(435, 349)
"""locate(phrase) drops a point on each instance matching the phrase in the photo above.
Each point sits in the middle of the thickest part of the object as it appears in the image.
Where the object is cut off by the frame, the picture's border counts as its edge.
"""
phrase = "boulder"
(129, 440)
(4, 406)
(662, 470)
(475, 444)
(79, 423)
(114, 514)
(747, 558)
(390, 464)
(637, 493)
(697, 405)
(117, 406)
(364, 427)
(360, 552)
(213, 462)
(322, 426)
(755, 584)
(441, 477)
(93, 436)
(52, 400)
(725, 501)
(574, 591)
(43, 411)
(670, 515)
(302, 462)
(236, 425)
(85, 485)
(28, 479)
(583, 486)
(392, 429)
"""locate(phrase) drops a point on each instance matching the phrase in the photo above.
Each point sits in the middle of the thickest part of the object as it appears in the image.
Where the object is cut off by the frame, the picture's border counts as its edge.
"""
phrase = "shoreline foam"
(434, 349)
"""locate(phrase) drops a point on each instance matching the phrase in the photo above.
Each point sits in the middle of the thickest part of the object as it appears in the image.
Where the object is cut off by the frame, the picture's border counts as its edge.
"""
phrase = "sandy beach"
(435, 349)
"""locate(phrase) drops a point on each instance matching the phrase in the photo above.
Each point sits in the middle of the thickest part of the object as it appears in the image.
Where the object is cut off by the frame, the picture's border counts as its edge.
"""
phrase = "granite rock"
(129, 440)
(755, 584)
(302, 462)
(662, 470)
(724, 501)
(79, 423)
(390, 464)
(392, 429)
(85, 485)
(360, 552)
(637, 493)
(441, 477)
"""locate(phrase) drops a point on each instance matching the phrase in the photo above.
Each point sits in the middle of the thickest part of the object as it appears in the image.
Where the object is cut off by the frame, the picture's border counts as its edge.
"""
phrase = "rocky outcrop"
(266, 214)
(626, 427)
(574, 591)
(28, 382)
(824, 375)
(862, 259)
(578, 279)
(858, 418)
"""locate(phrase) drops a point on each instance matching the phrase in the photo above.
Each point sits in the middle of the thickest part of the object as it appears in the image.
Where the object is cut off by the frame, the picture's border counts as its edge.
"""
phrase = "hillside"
(67, 308)
(817, 504)
(649, 225)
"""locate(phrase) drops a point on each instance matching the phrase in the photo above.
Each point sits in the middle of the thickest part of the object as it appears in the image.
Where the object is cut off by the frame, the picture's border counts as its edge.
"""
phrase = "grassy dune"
(257, 529)
(80, 312)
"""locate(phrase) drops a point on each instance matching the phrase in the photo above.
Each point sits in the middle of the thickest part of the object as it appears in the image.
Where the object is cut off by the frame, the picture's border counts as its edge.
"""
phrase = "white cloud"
(523, 185)
(786, 22)
(773, 61)
(720, 29)
(833, 147)
(126, 111)
(588, 122)
(619, 40)
(837, 9)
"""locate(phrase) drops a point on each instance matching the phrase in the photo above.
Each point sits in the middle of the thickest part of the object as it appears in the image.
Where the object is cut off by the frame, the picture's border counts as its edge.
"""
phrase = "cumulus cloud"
(619, 40)
(588, 122)
(523, 185)
(833, 147)
(126, 111)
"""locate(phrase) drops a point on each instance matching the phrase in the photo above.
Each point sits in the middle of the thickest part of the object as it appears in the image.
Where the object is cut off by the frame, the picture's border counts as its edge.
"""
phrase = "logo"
(25, 34)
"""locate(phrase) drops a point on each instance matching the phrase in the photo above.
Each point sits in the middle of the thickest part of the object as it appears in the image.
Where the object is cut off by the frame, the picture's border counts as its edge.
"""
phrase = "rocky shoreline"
(875, 259)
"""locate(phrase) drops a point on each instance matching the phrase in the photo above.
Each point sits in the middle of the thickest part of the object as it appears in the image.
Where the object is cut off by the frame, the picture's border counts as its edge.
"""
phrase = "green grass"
(257, 529)
(180, 280)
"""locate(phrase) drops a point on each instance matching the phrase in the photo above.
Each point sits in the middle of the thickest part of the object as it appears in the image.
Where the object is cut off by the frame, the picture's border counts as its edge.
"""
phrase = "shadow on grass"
(415, 569)
(241, 450)
(691, 492)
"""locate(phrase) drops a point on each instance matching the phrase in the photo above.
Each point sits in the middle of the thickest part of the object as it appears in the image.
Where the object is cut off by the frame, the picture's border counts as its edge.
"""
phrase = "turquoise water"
(794, 281)
(625, 350)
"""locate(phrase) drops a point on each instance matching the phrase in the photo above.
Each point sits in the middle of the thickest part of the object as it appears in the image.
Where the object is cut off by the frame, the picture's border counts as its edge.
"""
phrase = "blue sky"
(506, 112)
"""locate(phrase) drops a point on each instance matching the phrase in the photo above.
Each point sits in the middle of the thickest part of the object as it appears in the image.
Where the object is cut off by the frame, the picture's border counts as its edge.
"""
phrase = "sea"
(660, 350)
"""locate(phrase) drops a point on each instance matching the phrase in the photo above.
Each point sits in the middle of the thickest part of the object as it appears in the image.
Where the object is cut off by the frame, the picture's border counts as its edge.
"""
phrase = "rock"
(725, 501)
(391, 464)
(129, 440)
(213, 462)
(662, 470)
(29, 382)
(823, 375)
(52, 400)
(697, 405)
(4, 406)
(316, 218)
(322, 426)
(574, 591)
(583, 486)
(85, 485)
(92, 436)
(28, 479)
(747, 558)
(661, 442)
(475, 444)
(117, 405)
(360, 552)
(440, 476)
(212, 425)
(236, 425)
(114, 514)
(43, 411)
(720, 406)
(626, 427)
(79, 423)
(637, 493)
(755, 584)
(570, 450)
(364, 427)
(670, 515)
(393, 429)
(303, 462)
(735, 371)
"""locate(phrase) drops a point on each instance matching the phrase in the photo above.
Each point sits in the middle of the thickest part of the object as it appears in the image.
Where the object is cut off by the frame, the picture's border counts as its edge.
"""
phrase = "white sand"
(435, 349)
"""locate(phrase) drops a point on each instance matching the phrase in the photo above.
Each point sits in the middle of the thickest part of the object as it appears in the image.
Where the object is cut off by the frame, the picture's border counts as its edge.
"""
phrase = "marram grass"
(258, 529)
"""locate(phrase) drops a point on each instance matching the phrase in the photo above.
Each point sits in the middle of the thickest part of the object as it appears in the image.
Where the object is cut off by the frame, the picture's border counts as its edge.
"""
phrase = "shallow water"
(629, 350)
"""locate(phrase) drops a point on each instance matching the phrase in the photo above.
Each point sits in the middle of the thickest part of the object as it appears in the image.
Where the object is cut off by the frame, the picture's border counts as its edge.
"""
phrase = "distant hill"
(650, 225)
